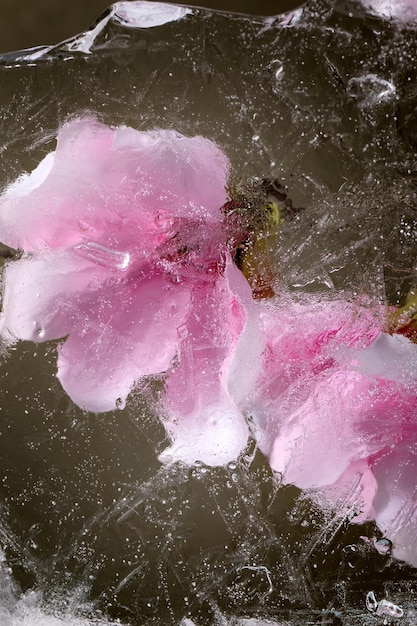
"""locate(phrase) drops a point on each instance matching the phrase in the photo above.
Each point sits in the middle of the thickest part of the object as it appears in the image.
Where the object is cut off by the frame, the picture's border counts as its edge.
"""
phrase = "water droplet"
(371, 602)
(277, 69)
(196, 474)
(83, 225)
(120, 403)
(40, 332)
(383, 545)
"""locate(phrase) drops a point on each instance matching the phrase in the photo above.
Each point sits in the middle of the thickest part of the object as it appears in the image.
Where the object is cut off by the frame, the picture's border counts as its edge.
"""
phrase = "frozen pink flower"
(337, 408)
(125, 258)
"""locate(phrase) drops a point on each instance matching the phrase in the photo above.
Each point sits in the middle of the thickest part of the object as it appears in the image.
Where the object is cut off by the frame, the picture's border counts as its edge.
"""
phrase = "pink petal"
(120, 187)
(204, 420)
(317, 440)
(302, 343)
(334, 391)
(347, 417)
(186, 176)
(44, 296)
(394, 505)
(354, 491)
(134, 333)
(392, 357)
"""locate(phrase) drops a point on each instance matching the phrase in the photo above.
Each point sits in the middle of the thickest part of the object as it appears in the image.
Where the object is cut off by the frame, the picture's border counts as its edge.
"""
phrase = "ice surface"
(315, 111)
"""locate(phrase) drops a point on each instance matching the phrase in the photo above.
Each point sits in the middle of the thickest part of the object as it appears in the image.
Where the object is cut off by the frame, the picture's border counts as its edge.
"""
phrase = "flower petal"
(347, 417)
(394, 504)
(204, 419)
(119, 187)
(99, 363)
(314, 444)
(303, 342)
(44, 297)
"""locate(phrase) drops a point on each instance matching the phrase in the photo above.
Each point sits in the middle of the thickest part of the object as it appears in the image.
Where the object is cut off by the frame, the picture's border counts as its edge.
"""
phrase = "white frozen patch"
(26, 183)
(144, 14)
(26, 610)
(390, 357)
(285, 20)
(403, 10)
(84, 42)
(33, 54)
(288, 20)
(215, 436)
(370, 90)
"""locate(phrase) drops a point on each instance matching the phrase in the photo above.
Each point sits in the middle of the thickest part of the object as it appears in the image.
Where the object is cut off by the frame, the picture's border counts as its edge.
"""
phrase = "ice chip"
(139, 14)
(370, 90)
(383, 607)
(383, 545)
(110, 259)
(403, 10)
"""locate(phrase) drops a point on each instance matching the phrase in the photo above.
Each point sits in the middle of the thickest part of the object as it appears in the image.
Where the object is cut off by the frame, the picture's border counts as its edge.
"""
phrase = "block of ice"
(119, 149)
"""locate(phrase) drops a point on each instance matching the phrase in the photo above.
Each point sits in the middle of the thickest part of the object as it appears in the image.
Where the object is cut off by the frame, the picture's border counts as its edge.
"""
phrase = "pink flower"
(125, 258)
(336, 411)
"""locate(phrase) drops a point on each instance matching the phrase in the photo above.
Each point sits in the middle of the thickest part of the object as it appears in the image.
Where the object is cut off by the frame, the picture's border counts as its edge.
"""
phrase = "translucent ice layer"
(210, 219)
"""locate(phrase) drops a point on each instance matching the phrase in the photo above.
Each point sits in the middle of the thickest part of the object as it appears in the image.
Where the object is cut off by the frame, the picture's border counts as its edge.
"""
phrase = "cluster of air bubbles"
(233, 476)
(252, 582)
(199, 470)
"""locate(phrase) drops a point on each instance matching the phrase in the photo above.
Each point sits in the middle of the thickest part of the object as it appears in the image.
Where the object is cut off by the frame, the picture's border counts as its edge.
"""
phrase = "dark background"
(27, 23)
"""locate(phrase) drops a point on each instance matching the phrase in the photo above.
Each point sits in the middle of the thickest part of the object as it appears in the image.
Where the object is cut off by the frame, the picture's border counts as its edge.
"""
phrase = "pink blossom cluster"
(126, 262)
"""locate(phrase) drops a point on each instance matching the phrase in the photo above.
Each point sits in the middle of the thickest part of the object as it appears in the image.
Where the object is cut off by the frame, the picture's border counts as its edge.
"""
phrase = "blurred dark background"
(27, 23)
